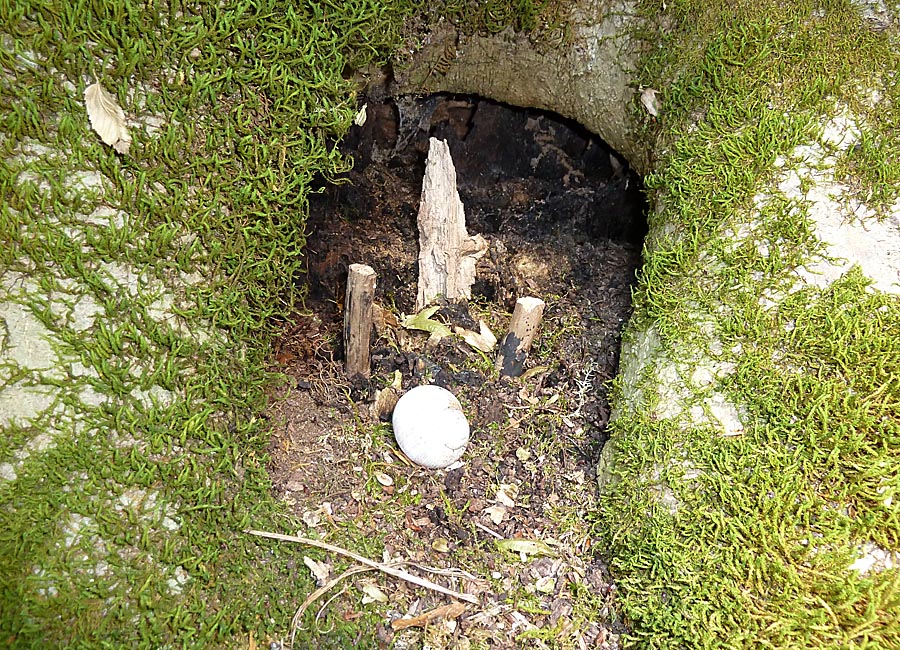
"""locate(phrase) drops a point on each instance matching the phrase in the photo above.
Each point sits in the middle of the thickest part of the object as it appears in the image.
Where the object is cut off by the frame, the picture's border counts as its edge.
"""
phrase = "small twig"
(488, 530)
(384, 568)
(453, 573)
(318, 593)
(314, 596)
(453, 610)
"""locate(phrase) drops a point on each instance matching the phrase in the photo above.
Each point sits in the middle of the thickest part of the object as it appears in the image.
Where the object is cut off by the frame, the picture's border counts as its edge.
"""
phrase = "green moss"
(765, 524)
(253, 97)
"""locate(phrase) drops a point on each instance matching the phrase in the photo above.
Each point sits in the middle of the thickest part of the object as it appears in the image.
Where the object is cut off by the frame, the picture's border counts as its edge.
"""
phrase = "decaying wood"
(358, 319)
(522, 328)
(447, 253)
(453, 610)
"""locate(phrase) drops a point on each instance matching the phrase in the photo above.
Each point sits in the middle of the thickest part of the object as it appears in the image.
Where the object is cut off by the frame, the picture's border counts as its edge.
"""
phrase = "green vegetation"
(756, 552)
(536, 17)
(156, 279)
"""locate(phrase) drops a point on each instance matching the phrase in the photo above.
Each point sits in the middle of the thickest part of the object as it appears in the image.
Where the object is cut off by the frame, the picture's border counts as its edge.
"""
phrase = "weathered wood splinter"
(358, 319)
(522, 328)
(447, 253)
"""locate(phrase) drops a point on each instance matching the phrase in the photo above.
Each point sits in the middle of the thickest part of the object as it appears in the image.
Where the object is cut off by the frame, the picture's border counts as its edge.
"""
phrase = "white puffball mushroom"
(430, 426)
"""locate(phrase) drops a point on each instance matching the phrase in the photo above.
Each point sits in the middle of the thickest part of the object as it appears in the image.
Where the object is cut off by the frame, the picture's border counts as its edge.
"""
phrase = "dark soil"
(564, 219)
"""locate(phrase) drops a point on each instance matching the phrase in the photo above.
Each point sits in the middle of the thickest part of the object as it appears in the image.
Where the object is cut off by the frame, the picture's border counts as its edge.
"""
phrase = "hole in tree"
(562, 211)
(565, 220)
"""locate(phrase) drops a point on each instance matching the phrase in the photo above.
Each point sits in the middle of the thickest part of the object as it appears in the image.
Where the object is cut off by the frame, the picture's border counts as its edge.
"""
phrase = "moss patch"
(154, 281)
(758, 550)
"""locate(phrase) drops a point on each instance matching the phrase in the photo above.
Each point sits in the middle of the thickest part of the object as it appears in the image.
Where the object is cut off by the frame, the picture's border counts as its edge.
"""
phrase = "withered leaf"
(423, 321)
(107, 118)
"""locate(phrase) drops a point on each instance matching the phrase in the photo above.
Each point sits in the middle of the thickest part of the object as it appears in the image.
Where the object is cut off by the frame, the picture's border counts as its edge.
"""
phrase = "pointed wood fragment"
(447, 253)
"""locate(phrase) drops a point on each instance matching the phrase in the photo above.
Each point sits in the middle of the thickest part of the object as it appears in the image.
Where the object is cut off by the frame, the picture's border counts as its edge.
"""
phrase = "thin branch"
(488, 530)
(384, 568)
(314, 596)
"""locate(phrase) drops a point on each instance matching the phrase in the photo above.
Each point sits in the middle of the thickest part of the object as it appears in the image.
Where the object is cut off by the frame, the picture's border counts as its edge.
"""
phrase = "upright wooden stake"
(522, 328)
(358, 319)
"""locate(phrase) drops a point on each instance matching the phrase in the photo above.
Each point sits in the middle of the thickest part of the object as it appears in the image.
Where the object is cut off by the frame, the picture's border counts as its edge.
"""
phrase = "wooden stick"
(358, 319)
(384, 568)
(522, 328)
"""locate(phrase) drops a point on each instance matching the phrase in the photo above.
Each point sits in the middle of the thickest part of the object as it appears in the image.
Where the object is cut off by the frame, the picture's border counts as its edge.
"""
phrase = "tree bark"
(586, 76)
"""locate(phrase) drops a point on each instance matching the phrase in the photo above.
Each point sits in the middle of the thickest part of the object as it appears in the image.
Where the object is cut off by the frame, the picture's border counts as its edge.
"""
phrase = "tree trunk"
(585, 76)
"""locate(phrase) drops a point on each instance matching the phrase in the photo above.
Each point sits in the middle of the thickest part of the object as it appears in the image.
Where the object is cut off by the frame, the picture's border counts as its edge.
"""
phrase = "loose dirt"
(563, 216)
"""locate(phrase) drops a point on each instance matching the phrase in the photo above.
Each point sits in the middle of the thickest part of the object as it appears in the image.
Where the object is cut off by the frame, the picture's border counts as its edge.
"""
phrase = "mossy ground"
(150, 284)
(249, 96)
(768, 522)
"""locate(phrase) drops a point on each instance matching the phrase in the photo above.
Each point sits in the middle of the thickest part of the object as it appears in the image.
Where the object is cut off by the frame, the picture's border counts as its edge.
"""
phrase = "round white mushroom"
(430, 426)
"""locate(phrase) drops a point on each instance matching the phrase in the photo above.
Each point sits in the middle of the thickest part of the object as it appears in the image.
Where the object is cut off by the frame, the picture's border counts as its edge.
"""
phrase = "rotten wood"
(358, 319)
(522, 327)
(446, 612)
(447, 253)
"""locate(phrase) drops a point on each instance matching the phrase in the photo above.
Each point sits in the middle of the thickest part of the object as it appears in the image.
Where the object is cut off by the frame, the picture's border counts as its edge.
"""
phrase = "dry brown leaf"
(483, 340)
(372, 594)
(383, 319)
(417, 524)
(385, 401)
(506, 494)
(648, 99)
(496, 513)
(107, 118)
(451, 611)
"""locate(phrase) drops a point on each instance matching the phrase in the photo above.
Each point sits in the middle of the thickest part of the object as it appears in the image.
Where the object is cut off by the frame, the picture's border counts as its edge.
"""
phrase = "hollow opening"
(565, 220)
(533, 183)
(563, 213)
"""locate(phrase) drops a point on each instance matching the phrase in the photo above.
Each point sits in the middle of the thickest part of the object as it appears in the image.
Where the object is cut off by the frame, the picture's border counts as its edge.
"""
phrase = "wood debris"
(451, 611)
